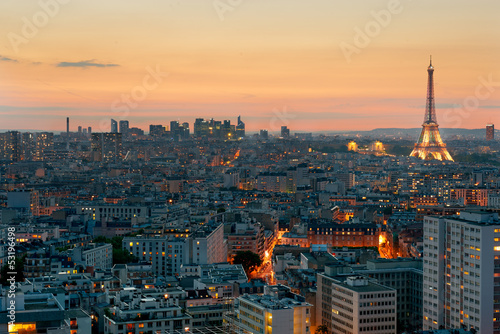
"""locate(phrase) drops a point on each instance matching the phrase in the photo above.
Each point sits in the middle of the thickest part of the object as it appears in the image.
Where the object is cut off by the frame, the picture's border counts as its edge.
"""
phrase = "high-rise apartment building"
(106, 146)
(349, 304)
(462, 272)
(490, 131)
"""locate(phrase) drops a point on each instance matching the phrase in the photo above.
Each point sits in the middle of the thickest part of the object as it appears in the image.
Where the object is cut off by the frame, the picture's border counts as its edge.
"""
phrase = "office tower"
(201, 128)
(124, 127)
(490, 131)
(285, 132)
(430, 145)
(79, 129)
(156, 130)
(67, 126)
(348, 303)
(264, 134)
(185, 128)
(240, 128)
(89, 130)
(106, 147)
(227, 130)
(175, 130)
(462, 272)
(114, 126)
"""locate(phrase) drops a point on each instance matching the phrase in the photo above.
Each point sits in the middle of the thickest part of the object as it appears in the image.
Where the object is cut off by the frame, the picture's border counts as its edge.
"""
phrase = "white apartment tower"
(461, 285)
(350, 304)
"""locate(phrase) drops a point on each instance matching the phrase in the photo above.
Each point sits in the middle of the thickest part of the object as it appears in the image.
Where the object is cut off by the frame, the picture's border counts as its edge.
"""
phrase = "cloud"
(7, 59)
(441, 106)
(84, 64)
(489, 107)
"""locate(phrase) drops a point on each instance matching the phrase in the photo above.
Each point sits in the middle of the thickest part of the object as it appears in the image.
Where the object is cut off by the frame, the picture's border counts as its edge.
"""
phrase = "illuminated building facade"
(354, 304)
(430, 145)
(462, 272)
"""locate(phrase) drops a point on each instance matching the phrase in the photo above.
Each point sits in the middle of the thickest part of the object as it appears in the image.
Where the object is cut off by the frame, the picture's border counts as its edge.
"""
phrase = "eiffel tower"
(430, 145)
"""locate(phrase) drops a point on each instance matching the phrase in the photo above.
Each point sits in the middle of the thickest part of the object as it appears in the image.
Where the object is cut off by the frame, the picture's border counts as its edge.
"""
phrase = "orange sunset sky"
(274, 62)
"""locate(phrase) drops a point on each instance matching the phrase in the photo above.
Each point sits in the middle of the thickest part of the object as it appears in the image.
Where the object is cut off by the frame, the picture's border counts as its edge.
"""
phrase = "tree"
(249, 260)
(120, 255)
(18, 269)
(322, 329)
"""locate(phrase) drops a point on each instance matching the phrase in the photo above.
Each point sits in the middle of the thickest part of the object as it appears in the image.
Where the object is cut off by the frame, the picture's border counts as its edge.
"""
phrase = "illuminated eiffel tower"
(430, 145)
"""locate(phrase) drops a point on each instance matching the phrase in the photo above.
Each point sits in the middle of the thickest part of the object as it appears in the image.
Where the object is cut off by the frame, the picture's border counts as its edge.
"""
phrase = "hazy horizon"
(320, 65)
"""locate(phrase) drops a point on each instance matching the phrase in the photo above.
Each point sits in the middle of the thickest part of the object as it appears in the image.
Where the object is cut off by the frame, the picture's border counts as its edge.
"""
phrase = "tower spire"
(430, 145)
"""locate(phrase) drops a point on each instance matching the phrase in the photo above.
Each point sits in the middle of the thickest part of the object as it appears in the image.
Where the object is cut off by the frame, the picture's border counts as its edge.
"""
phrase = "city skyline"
(313, 71)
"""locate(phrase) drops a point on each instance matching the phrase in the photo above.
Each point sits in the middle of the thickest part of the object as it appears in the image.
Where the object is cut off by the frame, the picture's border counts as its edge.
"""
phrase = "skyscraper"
(240, 128)
(462, 272)
(430, 145)
(124, 127)
(114, 126)
(490, 131)
(285, 132)
(67, 126)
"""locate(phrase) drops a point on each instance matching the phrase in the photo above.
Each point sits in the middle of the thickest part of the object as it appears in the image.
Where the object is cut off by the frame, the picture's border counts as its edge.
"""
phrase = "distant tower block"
(490, 131)
(67, 126)
(430, 145)
(352, 146)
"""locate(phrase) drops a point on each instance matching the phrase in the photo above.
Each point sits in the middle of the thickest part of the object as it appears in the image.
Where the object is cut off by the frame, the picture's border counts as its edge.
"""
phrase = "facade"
(273, 182)
(114, 126)
(125, 212)
(406, 277)
(430, 145)
(353, 235)
(490, 132)
(142, 314)
(462, 272)
(106, 147)
(124, 127)
(168, 253)
(471, 196)
(278, 311)
(99, 256)
(246, 237)
(354, 304)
